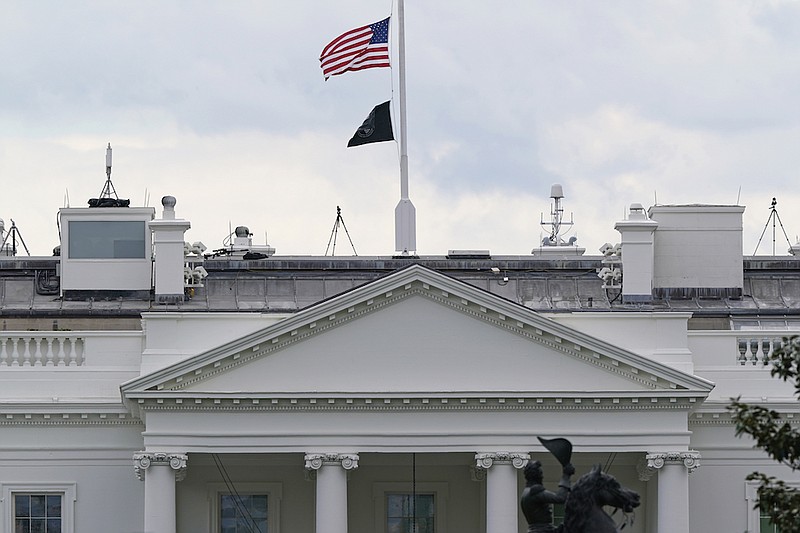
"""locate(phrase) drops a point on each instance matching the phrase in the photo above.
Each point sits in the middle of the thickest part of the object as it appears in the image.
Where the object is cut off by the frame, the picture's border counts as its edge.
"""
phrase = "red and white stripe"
(352, 51)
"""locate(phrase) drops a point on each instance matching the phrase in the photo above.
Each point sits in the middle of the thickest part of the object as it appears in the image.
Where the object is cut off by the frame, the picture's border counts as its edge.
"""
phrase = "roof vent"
(469, 254)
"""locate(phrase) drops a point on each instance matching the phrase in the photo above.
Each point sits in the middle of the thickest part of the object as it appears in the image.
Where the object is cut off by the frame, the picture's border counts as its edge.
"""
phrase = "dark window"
(406, 514)
(106, 239)
(245, 513)
(37, 513)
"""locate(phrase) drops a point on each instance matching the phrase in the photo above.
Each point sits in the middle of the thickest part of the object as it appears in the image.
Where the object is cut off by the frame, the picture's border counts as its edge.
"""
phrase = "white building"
(318, 394)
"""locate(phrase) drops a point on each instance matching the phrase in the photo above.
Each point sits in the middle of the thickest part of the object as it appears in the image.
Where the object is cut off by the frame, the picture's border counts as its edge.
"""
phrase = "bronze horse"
(583, 511)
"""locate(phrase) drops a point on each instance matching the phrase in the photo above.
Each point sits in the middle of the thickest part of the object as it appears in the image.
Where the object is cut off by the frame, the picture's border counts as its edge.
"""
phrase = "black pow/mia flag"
(376, 128)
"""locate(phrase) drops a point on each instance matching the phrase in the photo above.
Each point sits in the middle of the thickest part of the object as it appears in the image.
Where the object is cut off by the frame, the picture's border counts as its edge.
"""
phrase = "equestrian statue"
(583, 501)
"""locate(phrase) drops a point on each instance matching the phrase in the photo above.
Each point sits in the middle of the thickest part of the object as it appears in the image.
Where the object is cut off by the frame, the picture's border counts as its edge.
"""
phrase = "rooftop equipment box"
(106, 252)
(698, 251)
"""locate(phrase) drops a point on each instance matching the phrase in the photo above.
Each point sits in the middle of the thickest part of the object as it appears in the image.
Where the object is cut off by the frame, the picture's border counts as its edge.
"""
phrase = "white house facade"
(328, 395)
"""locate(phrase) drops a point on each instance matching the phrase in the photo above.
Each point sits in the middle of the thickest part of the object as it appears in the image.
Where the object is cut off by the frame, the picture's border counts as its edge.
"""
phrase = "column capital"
(689, 459)
(486, 460)
(144, 460)
(315, 461)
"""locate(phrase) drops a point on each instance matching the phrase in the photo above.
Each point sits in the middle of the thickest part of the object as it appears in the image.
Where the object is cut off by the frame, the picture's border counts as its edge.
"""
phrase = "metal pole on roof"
(405, 214)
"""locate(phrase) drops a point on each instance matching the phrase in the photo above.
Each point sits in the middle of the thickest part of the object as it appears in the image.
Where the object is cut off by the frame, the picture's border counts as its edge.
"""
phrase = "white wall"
(173, 337)
(98, 460)
(661, 337)
(698, 246)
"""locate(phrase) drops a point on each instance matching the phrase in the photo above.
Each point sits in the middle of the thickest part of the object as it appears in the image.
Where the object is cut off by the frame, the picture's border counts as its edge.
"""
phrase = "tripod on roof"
(335, 233)
(13, 234)
(773, 216)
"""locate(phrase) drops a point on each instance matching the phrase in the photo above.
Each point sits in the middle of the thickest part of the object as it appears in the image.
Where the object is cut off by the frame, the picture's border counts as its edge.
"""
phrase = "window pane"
(106, 239)
(38, 505)
(38, 525)
(259, 507)
(22, 505)
(22, 525)
(400, 525)
(395, 504)
(766, 526)
(425, 525)
(53, 525)
(425, 505)
(53, 506)
(558, 513)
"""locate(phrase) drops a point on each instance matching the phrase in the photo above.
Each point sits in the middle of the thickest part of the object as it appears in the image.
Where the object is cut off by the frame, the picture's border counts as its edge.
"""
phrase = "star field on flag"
(358, 49)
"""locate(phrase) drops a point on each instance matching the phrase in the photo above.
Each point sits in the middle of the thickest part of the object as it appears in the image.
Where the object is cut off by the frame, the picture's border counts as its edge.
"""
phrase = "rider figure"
(536, 501)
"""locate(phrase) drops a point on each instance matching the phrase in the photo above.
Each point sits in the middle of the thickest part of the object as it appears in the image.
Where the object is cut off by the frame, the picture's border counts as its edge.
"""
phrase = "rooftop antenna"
(108, 188)
(773, 217)
(557, 226)
(335, 233)
(13, 234)
(108, 196)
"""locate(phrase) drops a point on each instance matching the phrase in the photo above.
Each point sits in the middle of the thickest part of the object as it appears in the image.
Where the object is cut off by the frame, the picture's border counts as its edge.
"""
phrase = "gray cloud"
(613, 99)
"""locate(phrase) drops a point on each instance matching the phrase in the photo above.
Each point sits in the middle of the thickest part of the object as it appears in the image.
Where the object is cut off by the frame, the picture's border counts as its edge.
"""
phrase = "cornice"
(38, 419)
(724, 418)
(65, 414)
(244, 403)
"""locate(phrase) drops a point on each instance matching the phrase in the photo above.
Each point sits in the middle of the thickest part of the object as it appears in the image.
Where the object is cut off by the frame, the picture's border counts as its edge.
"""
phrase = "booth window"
(106, 239)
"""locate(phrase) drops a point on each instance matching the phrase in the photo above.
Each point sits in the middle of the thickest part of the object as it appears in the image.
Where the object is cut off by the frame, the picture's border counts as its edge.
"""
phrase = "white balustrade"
(41, 349)
(755, 349)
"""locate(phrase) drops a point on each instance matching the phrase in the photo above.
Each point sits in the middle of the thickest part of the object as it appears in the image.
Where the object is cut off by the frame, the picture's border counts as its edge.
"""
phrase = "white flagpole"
(405, 215)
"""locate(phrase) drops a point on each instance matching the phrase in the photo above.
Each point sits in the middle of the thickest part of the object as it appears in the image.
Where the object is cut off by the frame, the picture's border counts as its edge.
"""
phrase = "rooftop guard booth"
(106, 252)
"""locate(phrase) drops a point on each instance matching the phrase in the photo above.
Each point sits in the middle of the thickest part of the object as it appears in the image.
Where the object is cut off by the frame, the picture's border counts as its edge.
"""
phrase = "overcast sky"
(223, 105)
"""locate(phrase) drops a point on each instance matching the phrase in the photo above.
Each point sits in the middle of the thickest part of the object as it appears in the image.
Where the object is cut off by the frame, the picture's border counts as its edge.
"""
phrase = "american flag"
(358, 49)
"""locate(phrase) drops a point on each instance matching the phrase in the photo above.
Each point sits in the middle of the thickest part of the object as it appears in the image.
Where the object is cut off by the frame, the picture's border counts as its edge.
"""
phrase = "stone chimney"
(637, 255)
(168, 238)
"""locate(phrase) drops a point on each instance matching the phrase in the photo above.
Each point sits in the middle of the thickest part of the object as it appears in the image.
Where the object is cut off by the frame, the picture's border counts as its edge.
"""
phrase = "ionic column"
(159, 471)
(331, 472)
(673, 488)
(502, 500)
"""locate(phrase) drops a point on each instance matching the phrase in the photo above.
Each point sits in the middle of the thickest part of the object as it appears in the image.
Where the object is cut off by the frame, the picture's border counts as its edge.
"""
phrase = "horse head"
(583, 512)
(608, 491)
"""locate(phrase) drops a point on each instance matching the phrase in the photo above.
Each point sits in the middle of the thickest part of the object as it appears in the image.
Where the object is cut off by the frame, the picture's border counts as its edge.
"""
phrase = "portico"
(328, 405)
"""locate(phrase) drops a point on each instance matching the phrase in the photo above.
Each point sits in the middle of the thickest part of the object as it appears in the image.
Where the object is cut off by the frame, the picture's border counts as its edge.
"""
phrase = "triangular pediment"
(417, 331)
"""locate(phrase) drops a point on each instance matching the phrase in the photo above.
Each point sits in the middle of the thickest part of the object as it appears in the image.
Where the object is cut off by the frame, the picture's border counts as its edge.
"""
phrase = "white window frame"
(67, 490)
(274, 492)
(439, 489)
(751, 496)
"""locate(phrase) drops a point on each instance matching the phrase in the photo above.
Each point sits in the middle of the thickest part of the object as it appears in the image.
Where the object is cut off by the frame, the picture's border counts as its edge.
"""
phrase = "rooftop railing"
(735, 348)
(69, 349)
